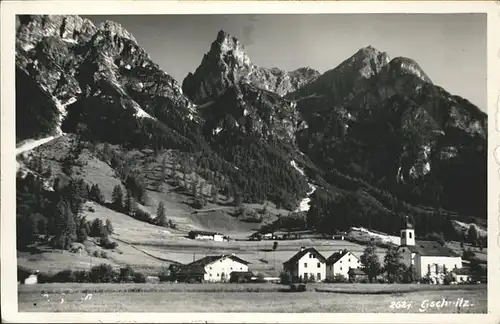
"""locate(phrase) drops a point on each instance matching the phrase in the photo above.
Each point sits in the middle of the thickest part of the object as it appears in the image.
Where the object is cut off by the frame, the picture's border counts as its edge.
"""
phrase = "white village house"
(427, 258)
(305, 264)
(339, 263)
(214, 268)
(202, 235)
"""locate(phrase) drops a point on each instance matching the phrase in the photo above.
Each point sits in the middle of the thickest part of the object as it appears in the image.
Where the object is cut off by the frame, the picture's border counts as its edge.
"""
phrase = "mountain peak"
(404, 65)
(228, 46)
(117, 29)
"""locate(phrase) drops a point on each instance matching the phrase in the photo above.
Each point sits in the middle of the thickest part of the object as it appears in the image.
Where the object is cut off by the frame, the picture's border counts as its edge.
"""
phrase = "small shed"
(357, 275)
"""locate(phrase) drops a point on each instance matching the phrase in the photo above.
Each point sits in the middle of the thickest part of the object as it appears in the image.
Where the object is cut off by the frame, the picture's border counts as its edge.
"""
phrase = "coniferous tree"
(160, 215)
(213, 193)
(117, 198)
(127, 204)
(70, 229)
(95, 194)
(82, 232)
(472, 235)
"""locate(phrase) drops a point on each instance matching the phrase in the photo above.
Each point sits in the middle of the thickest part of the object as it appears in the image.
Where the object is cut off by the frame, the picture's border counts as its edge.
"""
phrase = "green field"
(248, 298)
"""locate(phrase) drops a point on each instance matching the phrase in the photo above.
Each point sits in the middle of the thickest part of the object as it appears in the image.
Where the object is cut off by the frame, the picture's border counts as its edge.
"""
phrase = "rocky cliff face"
(227, 64)
(253, 111)
(72, 60)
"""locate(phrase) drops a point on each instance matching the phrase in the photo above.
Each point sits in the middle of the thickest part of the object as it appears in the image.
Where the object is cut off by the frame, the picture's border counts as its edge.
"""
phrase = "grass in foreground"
(244, 298)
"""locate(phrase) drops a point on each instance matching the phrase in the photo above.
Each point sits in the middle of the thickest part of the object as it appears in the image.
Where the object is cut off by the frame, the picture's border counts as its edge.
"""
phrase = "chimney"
(302, 248)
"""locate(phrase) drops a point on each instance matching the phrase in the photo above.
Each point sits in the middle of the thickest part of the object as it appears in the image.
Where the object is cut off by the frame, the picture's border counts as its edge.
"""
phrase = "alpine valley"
(109, 142)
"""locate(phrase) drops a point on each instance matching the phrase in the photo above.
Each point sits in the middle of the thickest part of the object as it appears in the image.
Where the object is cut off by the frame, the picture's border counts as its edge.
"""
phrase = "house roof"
(430, 248)
(303, 252)
(201, 263)
(336, 256)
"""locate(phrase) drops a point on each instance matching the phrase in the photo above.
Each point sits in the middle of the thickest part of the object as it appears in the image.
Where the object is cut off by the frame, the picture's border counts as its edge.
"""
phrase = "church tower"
(408, 234)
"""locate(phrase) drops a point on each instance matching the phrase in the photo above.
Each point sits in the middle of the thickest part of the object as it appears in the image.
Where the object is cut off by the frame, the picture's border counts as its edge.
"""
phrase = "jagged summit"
(402, 66)
(115, 29)
(227, 63)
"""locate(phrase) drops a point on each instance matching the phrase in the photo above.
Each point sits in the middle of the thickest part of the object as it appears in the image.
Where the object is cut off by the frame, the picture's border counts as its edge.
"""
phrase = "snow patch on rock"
(304, 203)
(294, 165)
(70, 40)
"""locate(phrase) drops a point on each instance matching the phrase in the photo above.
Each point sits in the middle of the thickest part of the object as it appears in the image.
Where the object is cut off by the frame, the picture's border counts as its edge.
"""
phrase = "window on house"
(402, 250)
(305, 265)
(319, 265)
(217, 275)
(340, 268)
(409, 234)
(318, 276)
(402, 234)
(349, 260)
(340, 261)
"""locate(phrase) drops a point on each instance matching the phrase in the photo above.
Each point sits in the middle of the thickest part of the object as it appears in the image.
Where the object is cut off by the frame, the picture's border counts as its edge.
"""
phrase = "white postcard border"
(8, 250)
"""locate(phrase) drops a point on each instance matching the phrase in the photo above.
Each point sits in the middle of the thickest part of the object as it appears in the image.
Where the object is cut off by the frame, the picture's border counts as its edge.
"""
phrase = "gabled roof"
(303, 252)
(430, 248)
(201, 263)
(336, 256)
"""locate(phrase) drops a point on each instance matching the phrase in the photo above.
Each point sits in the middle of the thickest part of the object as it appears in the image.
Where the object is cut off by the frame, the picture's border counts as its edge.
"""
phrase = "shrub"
(363, 280)
(106, 243)
(164, 274)
(64, 276)
(44, 278)
(126, 274)
(340, 278)
(285, 278)
(96, 254)
(104, 255)
(425, 280)
(448, 279)
(139, 277)
(103, 273)
(199, 202)
(82, 276)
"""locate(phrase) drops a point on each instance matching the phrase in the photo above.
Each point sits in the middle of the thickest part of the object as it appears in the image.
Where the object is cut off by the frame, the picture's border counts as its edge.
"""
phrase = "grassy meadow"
(171, 297)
